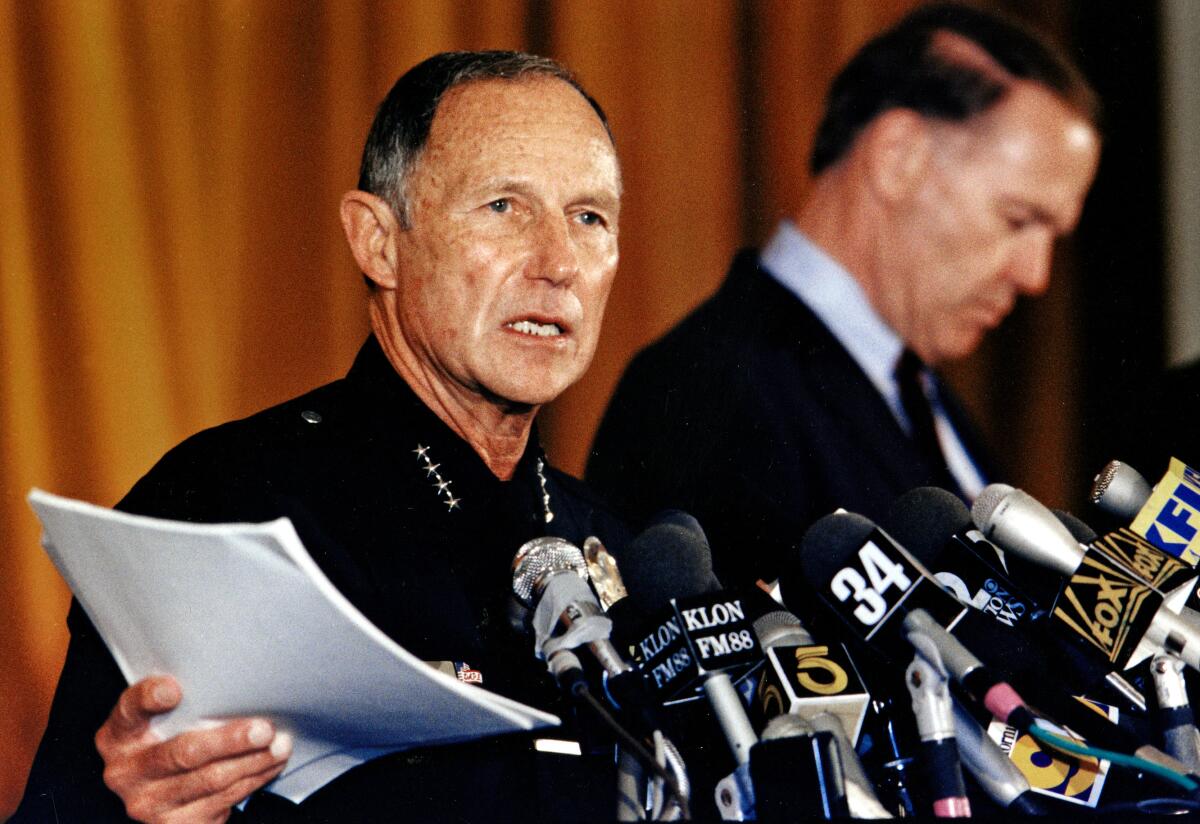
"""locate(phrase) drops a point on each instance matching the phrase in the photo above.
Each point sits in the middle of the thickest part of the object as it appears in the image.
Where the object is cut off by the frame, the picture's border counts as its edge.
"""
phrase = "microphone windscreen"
(1120, 490)
(669, 559)
(826, 547)
(1079, 530)
(922, 520)
(990, 498)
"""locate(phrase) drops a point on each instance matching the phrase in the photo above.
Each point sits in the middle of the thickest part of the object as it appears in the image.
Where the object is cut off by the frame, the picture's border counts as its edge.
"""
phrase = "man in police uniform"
(486, 225)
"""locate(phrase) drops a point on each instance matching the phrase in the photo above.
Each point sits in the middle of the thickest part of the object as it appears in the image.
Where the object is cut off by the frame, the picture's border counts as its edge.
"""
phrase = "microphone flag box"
(1170, 518)
(695, 636)
(805, 680)
(1109, 608)
(1077, 779)
(878, 585)
(1169, 575)
(970, 567)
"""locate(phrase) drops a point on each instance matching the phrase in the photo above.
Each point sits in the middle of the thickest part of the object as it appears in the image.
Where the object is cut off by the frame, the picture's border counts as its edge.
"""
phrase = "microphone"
(804, 678)
(702, 635)
(935, 526)
(866, 579)
(1167, 516)
(999, 777)
(550, 576)
(1081, 532)
(1120, 490)
(790, 746)
(842, 541)
(928, 682)
(815, 687)
(1113, 596)
(1174, 717)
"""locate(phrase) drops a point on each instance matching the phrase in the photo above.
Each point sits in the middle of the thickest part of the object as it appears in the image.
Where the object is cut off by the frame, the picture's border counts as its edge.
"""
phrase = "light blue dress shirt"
(840, 303)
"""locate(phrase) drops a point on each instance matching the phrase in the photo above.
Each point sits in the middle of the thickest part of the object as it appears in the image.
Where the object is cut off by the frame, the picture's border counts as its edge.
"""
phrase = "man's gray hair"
(402, 124)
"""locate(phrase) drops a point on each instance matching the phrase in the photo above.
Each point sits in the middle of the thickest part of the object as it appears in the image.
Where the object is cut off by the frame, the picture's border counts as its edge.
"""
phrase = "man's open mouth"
(541, 330)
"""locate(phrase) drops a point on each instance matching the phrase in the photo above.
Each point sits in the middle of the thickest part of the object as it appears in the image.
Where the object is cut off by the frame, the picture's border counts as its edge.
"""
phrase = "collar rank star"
(440, 484)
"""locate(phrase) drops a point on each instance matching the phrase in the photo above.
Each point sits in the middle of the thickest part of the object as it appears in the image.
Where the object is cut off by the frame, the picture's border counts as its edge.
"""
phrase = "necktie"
(920, 418)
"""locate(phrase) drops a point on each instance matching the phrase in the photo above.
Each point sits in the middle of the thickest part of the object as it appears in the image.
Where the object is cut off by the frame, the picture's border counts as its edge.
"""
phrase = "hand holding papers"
(247, 623)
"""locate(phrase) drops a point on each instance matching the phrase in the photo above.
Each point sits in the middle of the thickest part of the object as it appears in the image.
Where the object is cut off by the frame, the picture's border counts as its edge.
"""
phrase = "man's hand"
(195, 776)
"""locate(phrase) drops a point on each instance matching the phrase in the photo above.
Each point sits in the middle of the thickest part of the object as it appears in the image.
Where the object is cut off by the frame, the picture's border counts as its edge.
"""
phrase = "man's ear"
(371, 229)
(897, 147)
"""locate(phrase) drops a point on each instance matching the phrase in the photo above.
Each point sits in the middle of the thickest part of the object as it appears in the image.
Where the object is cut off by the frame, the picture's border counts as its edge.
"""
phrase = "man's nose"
(557, 258)
(1029, 270)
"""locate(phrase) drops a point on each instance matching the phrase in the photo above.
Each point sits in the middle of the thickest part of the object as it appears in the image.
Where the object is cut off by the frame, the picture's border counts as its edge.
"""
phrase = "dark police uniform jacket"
(349, 463)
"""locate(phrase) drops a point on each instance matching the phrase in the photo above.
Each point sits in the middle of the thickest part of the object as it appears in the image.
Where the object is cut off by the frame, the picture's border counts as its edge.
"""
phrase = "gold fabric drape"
(170, 255)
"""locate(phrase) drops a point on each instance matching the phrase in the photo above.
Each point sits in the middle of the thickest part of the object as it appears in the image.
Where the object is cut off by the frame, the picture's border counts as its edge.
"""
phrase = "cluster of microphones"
(1003, 658)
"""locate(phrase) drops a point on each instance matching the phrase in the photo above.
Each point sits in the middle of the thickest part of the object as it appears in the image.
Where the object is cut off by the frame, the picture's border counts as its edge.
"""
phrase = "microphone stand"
(929, 685)
(1175, 719)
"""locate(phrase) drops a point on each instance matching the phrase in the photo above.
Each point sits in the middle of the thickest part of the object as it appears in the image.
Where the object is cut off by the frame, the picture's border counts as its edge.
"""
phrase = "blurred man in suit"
(955, 149)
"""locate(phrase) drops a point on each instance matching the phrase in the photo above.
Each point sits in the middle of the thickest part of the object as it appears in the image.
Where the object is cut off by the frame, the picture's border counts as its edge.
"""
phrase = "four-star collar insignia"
(442, 486)
(439, 483)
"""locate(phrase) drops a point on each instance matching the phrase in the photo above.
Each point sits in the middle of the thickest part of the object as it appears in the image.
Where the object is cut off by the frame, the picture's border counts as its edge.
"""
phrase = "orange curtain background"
(170, 255)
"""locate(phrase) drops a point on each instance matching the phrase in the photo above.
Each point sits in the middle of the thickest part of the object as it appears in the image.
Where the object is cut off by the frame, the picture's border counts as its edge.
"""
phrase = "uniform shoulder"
(305, 419)
(201, 477)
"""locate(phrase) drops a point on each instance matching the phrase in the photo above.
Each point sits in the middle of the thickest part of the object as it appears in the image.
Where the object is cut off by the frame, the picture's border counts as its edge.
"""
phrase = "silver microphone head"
(786, 726)
(541, 558)
(1018, 523)
(1120, 490)
(780, 627)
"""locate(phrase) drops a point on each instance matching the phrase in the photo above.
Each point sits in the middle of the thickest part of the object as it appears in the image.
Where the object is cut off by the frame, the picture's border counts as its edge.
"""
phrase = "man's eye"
(500, 205)
(590, 219)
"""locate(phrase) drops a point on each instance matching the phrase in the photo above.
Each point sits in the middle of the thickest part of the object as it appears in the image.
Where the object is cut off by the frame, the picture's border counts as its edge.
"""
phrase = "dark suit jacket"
(751, 416)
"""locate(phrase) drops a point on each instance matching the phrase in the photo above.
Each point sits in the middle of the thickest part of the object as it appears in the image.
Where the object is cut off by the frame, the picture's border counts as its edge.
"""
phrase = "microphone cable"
(1072, 747)
(569, 672)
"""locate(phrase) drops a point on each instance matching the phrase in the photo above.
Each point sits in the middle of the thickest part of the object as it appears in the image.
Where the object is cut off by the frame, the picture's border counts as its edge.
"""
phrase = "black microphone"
(865, 578)
(935, 526)
(844, 541)
(1080, 531)
(701, 633)
(814, 687)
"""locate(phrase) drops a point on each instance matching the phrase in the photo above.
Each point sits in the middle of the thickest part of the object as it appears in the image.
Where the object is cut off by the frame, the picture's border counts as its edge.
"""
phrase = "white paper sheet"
(242, 616)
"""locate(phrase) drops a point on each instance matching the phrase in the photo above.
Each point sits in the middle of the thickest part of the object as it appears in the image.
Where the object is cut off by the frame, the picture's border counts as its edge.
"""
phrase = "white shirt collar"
(840, 303)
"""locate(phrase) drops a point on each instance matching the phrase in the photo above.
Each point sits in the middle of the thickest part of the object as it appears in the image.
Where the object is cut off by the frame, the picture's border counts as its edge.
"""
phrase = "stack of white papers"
(248, 624)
